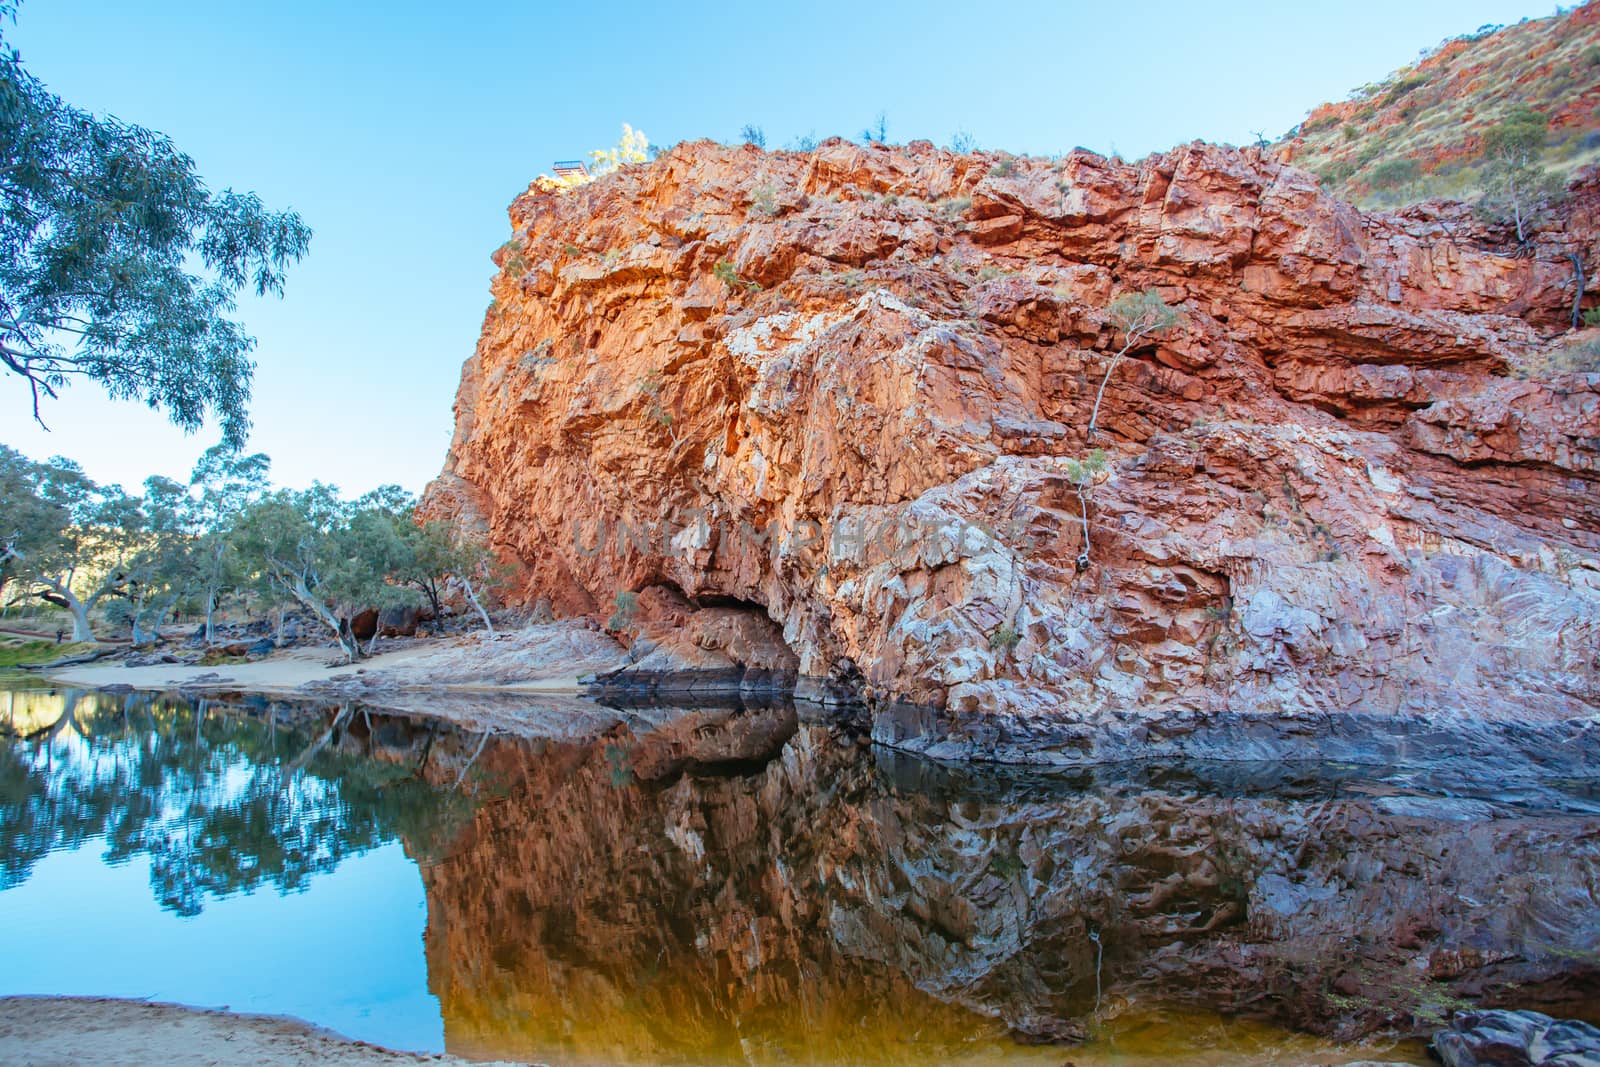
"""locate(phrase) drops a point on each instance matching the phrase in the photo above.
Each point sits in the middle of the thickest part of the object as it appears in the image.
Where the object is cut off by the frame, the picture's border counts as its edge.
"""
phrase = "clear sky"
(401, 130)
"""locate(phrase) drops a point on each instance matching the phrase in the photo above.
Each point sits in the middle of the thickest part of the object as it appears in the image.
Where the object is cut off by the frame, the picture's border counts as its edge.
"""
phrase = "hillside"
(826, 413)
(1434, 112)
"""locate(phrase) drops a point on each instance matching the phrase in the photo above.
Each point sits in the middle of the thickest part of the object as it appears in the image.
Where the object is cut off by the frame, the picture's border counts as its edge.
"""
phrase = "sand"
(551, 658)
(70, 1031)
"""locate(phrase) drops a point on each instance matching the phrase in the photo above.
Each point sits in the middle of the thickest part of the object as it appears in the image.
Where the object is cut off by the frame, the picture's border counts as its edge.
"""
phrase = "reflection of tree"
(221, 801)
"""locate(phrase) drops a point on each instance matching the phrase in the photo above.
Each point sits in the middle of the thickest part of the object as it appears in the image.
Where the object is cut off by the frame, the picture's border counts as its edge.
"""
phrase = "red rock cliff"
(846, 388)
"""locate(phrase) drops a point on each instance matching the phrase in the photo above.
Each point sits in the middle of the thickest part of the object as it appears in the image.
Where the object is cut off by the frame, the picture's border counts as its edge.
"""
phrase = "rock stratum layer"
(818, 414)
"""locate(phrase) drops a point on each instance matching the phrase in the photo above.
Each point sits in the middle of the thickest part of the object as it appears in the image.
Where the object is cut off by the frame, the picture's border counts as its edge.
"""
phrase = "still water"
(722, 886)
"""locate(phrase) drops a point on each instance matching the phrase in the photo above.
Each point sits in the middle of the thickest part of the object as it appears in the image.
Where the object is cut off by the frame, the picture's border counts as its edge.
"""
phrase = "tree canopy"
(102, 226)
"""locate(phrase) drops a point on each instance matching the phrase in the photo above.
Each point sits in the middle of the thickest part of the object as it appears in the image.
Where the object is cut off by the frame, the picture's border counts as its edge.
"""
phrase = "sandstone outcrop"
(843, 394)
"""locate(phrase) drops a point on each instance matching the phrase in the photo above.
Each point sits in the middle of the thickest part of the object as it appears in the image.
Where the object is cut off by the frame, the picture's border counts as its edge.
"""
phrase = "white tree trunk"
(472, 595)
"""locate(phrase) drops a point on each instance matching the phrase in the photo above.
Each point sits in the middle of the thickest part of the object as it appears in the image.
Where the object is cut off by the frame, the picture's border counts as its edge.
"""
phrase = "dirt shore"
(69, 1031)
(539, 659)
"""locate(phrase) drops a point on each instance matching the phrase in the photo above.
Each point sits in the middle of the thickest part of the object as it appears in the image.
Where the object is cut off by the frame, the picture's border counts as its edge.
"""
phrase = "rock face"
(843, 395)
(1517, 1039)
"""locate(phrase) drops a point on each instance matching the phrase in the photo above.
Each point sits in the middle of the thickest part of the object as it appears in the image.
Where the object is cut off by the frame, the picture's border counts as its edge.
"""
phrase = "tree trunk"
(80, 615)
(472, 595)
(1578, 286)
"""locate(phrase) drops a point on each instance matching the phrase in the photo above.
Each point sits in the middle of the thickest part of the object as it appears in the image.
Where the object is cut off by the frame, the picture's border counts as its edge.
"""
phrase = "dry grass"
(1434, 110)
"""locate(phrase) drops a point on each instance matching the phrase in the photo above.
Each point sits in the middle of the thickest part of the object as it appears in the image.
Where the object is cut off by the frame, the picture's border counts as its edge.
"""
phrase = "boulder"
(1500, 1038)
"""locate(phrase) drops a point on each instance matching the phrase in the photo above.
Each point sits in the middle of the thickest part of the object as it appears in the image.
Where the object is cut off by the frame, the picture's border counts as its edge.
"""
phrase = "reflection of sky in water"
(832, 906)
(345, 953)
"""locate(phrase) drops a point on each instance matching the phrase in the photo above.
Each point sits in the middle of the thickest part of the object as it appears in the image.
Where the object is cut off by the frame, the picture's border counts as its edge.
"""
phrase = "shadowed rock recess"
(813, 417)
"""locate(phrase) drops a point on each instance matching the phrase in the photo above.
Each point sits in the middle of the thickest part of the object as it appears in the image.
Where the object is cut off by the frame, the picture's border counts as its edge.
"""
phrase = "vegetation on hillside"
(1421, 131)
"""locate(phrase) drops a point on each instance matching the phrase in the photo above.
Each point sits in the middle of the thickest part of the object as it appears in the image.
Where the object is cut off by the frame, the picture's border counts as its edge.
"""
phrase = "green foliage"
(1519, 190)
(331, 556)
(1004, 638)
(1394, 174)
(763, 202)
(31, 653)
(725, 273)
(989, 272)
(1003, 169)
(512, 259)
(1141, 314)
(1591, 317)
(1082, 472)
(118, 265)
(1403, 85)
(627, 604)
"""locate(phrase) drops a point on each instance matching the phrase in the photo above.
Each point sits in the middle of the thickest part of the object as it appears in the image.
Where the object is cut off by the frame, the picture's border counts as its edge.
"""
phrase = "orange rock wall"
(1326, 490)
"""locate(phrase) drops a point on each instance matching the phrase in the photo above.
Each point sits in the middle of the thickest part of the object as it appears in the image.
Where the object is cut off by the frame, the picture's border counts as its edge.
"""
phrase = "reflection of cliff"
(630, 899)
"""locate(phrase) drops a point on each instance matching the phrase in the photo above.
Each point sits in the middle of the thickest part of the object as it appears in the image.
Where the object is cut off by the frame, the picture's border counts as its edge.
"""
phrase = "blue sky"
(402, 130)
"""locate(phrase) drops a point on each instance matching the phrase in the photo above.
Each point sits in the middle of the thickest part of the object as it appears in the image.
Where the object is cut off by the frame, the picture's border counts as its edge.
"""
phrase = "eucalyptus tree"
(83, 555)
(1138, 317)
(119, 266)
(162, 567)
(223, 485)
(438, 553)
(1518, 189)
(332, 557)
(28, 523)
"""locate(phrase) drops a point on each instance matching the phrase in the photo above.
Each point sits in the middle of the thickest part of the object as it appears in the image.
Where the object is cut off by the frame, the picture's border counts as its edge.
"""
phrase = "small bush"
(989, 273)
(1592, 317)
(955, 206)
(1004, 639)
(627, 608)
(1578, 357)
(751, 134)
(1591, 55)
(762, 201)
(1003, 169)
(726, 274)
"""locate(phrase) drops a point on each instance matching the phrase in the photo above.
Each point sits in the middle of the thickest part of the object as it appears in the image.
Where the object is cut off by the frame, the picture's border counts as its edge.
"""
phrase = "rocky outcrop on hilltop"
(825, 415)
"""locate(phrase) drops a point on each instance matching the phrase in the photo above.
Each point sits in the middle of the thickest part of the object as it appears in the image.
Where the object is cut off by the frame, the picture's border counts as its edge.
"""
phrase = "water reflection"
(220, 803)
(731, 885)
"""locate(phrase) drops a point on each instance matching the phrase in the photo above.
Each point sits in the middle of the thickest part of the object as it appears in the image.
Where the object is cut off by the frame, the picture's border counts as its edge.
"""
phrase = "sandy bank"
(539, 659)
(68, 1031)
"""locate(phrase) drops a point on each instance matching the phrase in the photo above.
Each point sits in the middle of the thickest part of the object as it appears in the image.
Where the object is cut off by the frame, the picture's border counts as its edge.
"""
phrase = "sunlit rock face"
(842, 390)
(652, 896)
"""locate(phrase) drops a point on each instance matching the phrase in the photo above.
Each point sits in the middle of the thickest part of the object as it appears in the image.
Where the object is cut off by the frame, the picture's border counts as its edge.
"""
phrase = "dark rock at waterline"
(1517, 1039)
(696, 683)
